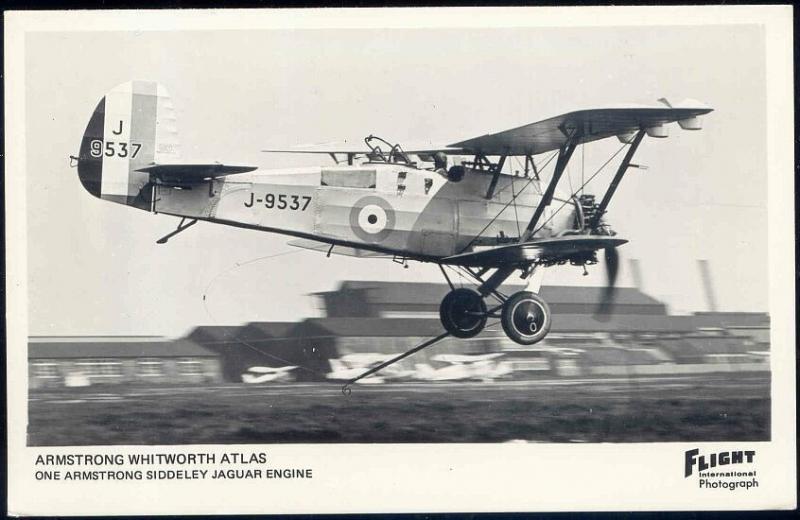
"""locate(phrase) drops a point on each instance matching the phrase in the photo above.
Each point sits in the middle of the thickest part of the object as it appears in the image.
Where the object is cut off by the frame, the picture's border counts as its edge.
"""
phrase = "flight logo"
(714, 469)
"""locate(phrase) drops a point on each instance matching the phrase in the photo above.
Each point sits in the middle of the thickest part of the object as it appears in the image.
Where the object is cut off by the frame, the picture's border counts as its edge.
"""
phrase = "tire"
(526, 318)
(463, 313)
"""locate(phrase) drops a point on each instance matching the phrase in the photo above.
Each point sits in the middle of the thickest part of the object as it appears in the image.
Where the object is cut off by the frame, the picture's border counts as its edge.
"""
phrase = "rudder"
(133, 126)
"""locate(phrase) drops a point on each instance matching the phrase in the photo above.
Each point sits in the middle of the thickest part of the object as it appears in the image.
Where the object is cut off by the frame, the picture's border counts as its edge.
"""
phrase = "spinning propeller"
(606, 304)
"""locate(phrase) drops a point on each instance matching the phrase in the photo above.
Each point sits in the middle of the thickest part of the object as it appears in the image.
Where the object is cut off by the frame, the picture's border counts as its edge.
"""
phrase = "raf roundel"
(372, 219)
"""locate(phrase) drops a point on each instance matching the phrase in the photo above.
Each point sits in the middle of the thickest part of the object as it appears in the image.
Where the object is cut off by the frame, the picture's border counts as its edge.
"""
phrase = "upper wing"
(543, 249)
(192, 173)
(587, 125)
(551, 134)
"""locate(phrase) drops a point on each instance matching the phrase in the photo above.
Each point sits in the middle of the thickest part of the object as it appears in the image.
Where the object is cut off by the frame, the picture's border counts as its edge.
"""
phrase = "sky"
(94, 267)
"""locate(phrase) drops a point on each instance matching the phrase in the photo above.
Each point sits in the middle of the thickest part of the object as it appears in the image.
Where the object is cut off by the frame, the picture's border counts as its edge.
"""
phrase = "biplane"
(454, 205)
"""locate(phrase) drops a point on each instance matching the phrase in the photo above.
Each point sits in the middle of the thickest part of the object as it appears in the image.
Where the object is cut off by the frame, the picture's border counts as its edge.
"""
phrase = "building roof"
(216, 332)
(421, 292)
(756, 334)
(72, 348)
(94, 339)
(224, 337)
(730, 319)
(428, 327)
(592, 295)
(719, 344)
(618, 356)
(397, 327)
(269, 329)
(621, 323)
(681, 350)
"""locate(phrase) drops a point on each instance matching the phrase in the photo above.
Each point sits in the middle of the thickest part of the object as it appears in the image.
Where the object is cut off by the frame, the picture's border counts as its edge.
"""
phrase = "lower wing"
(546, 250)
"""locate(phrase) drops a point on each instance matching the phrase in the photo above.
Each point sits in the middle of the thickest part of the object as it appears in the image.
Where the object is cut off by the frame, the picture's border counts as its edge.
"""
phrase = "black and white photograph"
(370, 233)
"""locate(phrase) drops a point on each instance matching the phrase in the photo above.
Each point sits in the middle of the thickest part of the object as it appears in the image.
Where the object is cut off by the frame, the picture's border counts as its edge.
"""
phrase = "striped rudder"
(133, 126)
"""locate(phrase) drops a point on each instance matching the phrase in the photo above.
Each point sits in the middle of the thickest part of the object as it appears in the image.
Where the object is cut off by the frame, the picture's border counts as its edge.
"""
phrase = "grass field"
(696, 408)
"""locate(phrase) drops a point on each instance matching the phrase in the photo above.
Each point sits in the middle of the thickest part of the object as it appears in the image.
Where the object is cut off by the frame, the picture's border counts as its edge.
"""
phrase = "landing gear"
(463, 313)
(526, 318)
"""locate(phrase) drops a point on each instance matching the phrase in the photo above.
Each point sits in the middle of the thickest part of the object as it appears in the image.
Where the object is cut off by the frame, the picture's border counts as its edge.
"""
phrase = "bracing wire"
(569, 177)
(458, 273)
(569, 199)
(237, 265)
(513, 199)
(583, 166)
(536, 185)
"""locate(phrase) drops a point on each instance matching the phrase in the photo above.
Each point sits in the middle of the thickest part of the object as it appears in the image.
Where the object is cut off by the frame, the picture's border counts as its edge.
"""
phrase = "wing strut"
(495, 169)
(564, 155)
(623, 167)
(530, 165)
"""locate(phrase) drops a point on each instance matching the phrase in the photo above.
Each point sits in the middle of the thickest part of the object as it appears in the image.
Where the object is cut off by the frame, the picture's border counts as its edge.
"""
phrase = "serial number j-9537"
(281, 201)
(114, 149)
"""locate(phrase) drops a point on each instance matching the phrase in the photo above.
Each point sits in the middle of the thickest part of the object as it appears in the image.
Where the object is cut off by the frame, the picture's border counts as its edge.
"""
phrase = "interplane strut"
(623, 167)
(564, 155)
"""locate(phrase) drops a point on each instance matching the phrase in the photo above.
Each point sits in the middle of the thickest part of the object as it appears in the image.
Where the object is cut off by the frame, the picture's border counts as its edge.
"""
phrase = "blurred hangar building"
(639, 337)
(84, 361)
(374, 318)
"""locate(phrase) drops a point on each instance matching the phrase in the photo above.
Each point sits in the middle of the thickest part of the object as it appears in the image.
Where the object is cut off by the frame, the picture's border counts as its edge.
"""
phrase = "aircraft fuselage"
(391, 208)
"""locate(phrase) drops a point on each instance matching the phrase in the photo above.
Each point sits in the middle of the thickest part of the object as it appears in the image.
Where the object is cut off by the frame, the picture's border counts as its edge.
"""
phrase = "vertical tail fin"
(133, 126)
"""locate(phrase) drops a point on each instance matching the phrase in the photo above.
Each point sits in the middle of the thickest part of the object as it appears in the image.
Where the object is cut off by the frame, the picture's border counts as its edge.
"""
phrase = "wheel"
(526, 318)
(463, 313)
